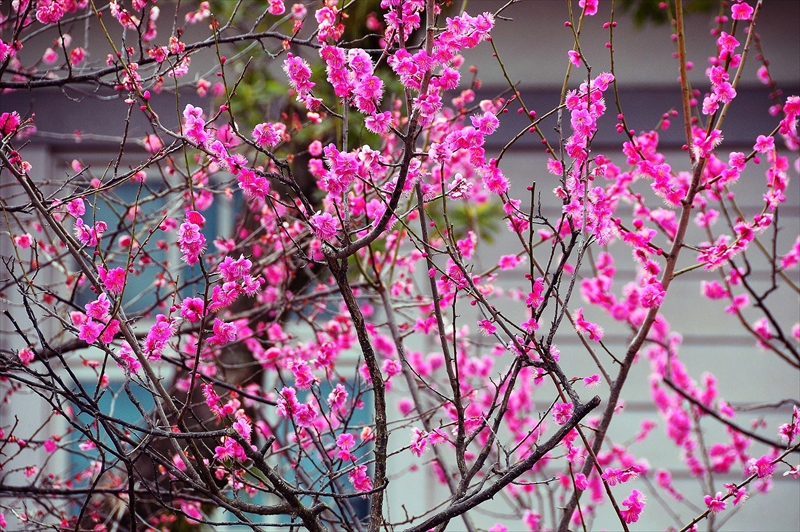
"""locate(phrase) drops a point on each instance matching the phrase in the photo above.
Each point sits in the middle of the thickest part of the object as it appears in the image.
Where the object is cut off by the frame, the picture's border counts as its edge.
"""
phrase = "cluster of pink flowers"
(351, 74)
(359, 478)
(268, 134)
(113, 280)
(159, 336)
(190, 240)
(96, 323)
(303, 414)
(299, 73)
(89, 235)
(51, 11)
(633, 506)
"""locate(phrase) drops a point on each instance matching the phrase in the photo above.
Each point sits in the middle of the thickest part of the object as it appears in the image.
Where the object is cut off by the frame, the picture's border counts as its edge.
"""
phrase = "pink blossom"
(764, 144)
(158, 337)
(378, 122)
(303, 378)
(591, 382)
(741, 11)
(594, 331)
(276, 7)
(486, 123)
(509, 262)
(634, 504)
(562, 412)
(337, 398)
(113, 280)
(9, 122)
(268, 134)
(223, 333)
(762, 467)
(555, 167)
(315, 148)
(727, 43)
(128, 358)
(792, 258)
(324, 225)
(590, 6)
(360, 479)
(153, 144)
(652, 295)
(24, 241)
(740, 495)
(190, 240)
(534, 298)
(49, 11)
(486, 327)
(7, 50)
(26, 355)
(235, 269)
(715, 504)
(76, 207)
(531, 520)
(90, 331)
(243, 427)
(345, 442)
(76, 56)
(192, 309)
(299, 11)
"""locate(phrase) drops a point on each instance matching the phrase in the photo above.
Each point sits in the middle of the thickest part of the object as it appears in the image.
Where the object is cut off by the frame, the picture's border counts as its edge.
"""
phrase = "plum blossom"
(715, 504)
(50, 11)
(324, 225)
(633, 506)
(360, 479)
(562, 412)
(24, 241)
(26, 355)
(594, 331)
(764, 144)
(269, 135)
(741, 11)
(345, 442)
(190, 240)
(589, 6)
(158, 337)
(113, 280)
(276, 7)
(761, 467)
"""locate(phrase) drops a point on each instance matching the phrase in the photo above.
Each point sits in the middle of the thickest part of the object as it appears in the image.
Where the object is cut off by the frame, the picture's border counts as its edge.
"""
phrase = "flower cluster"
(96, 323)
(190, 240)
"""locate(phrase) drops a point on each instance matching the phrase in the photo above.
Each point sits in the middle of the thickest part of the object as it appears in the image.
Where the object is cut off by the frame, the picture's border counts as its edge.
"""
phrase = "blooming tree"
(349, 321)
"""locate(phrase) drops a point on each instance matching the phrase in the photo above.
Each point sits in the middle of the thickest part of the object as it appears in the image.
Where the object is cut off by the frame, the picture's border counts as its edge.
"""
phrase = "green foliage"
(485, 219)
(650, 11)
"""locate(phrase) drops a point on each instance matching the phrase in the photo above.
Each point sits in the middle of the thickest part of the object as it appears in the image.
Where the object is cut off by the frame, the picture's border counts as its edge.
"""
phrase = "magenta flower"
(113, 280)
(715, 504)
(49, 11)
(26, 355)
(741, 11)
(359, 478)
(764, 144)
(24, 241)
(324, 225)
(763, 467)
(269, 135)
(634, 505)
(562, 412)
